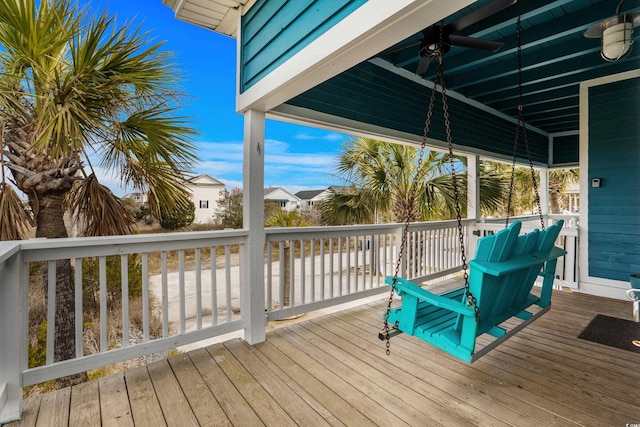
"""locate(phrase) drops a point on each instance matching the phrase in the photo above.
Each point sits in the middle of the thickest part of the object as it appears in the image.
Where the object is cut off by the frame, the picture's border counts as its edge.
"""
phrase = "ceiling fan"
(430, 44)
(615, 34)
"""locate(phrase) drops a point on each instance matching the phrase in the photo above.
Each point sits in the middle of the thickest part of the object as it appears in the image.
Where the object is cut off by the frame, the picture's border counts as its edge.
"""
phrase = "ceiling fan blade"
(479, 14)
(394, 49)
(423, 65)
(463, 41)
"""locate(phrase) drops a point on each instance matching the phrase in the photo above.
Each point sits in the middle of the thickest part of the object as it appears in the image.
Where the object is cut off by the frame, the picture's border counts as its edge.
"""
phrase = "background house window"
(204, 204)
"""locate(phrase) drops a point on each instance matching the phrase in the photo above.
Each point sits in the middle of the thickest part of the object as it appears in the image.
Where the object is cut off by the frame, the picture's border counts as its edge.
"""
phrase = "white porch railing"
(192, 283)
(310, 268)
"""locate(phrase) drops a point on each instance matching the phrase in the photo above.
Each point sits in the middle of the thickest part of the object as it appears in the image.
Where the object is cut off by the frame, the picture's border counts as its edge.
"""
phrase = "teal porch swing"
(498, 281)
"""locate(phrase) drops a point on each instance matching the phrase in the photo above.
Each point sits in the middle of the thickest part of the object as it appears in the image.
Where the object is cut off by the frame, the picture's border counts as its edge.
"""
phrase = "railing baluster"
(214, 285)
(303, 246)
(51, 309)
(103, 303)
(198, 290)
(124, 280)
(77, 284)
(340, 251)
(282, 274)
(165, 294)
(227, 264)
(313, 270)
(181, 290)
(145, 297)
(292, 273)
(332, 276)
(269, 278)
(322, 279)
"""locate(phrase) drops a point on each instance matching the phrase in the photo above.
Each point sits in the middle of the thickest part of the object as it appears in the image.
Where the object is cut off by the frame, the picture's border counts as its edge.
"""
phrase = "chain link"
(471, 300)
(521, 126)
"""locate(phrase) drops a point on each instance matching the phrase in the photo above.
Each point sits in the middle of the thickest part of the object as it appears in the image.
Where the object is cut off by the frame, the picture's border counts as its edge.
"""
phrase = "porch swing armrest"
(404, 286)
(515, 263)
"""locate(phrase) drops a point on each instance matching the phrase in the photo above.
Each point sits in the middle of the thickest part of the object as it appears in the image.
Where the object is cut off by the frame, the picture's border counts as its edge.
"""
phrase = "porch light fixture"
(615, 34)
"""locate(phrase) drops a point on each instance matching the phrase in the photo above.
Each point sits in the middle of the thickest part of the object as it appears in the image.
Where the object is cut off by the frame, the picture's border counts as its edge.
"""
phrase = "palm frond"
(99, 211)
(14, 221)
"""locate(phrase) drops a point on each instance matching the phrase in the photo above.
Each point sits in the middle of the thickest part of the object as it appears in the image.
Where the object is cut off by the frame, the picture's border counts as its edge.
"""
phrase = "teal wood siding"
(614, 157)
(275, 30)
(370, 94)
(566, 149)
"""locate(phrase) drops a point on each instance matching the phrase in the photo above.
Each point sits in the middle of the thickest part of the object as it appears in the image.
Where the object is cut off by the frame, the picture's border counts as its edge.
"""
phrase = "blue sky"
(296, 157)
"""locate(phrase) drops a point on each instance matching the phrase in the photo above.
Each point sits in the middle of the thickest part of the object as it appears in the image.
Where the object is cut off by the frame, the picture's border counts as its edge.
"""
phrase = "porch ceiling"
(555, 59)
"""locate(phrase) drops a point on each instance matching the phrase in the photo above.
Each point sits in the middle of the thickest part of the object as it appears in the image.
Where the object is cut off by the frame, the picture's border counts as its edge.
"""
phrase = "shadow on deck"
(332, 370)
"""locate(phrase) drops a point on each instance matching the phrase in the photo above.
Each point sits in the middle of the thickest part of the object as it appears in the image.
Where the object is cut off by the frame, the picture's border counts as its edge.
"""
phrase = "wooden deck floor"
(332, 370)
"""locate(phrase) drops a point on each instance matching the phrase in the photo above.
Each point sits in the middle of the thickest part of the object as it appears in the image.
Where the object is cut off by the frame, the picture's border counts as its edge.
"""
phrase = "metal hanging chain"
(409, 209)
(521, 126)
(471, 301)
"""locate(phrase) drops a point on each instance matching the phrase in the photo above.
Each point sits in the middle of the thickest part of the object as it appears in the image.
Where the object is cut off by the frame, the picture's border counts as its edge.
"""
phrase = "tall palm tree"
(381, 175)
(77, 92)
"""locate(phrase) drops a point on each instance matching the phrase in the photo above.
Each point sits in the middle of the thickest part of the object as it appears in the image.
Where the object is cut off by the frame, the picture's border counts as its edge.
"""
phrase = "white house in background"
(282, 198)
(139, 198)
(205, 193)
(308, 198)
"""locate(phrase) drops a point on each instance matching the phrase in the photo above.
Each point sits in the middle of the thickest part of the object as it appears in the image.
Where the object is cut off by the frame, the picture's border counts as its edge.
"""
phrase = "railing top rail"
(276, 233)
(50, 249)
(8, 249)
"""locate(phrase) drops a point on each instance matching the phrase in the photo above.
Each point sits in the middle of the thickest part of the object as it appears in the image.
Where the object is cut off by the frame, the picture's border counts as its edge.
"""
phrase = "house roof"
(270, 190)
(309, 194)
(205, 179)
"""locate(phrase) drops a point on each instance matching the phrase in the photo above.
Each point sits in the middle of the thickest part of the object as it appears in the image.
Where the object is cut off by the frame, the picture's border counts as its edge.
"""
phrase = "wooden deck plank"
(114, 408)
(518, 383)
(448, 387)
(333, 370)
(403, 402)
(84, 410)
(201, 399)
(175, 406)
(234, 405)
(342, 410)
(142, 398)
(297, 408)
(341, 385)
(54, 408)
(443, 402)
(487, 383)
(265, 406)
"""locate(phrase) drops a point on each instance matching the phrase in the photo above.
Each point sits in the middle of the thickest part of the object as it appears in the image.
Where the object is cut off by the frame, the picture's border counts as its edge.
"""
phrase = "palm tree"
(559, 180)
(77, 91)
(381, 175)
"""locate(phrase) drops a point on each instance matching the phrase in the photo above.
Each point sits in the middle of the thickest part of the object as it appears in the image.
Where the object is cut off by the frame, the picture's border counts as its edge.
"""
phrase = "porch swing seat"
(501, 278)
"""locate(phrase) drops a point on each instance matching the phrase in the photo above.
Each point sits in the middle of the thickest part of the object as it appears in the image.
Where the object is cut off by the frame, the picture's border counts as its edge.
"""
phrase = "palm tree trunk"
(50, 220)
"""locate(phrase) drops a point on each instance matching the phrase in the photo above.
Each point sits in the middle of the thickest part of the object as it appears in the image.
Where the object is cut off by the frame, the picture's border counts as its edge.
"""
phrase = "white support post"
(13, 315)
(473, 200)
(544, 191)
(252, 261)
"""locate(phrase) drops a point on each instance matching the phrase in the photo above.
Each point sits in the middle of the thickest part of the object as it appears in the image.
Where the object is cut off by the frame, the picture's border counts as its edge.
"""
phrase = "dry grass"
(91, 334)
